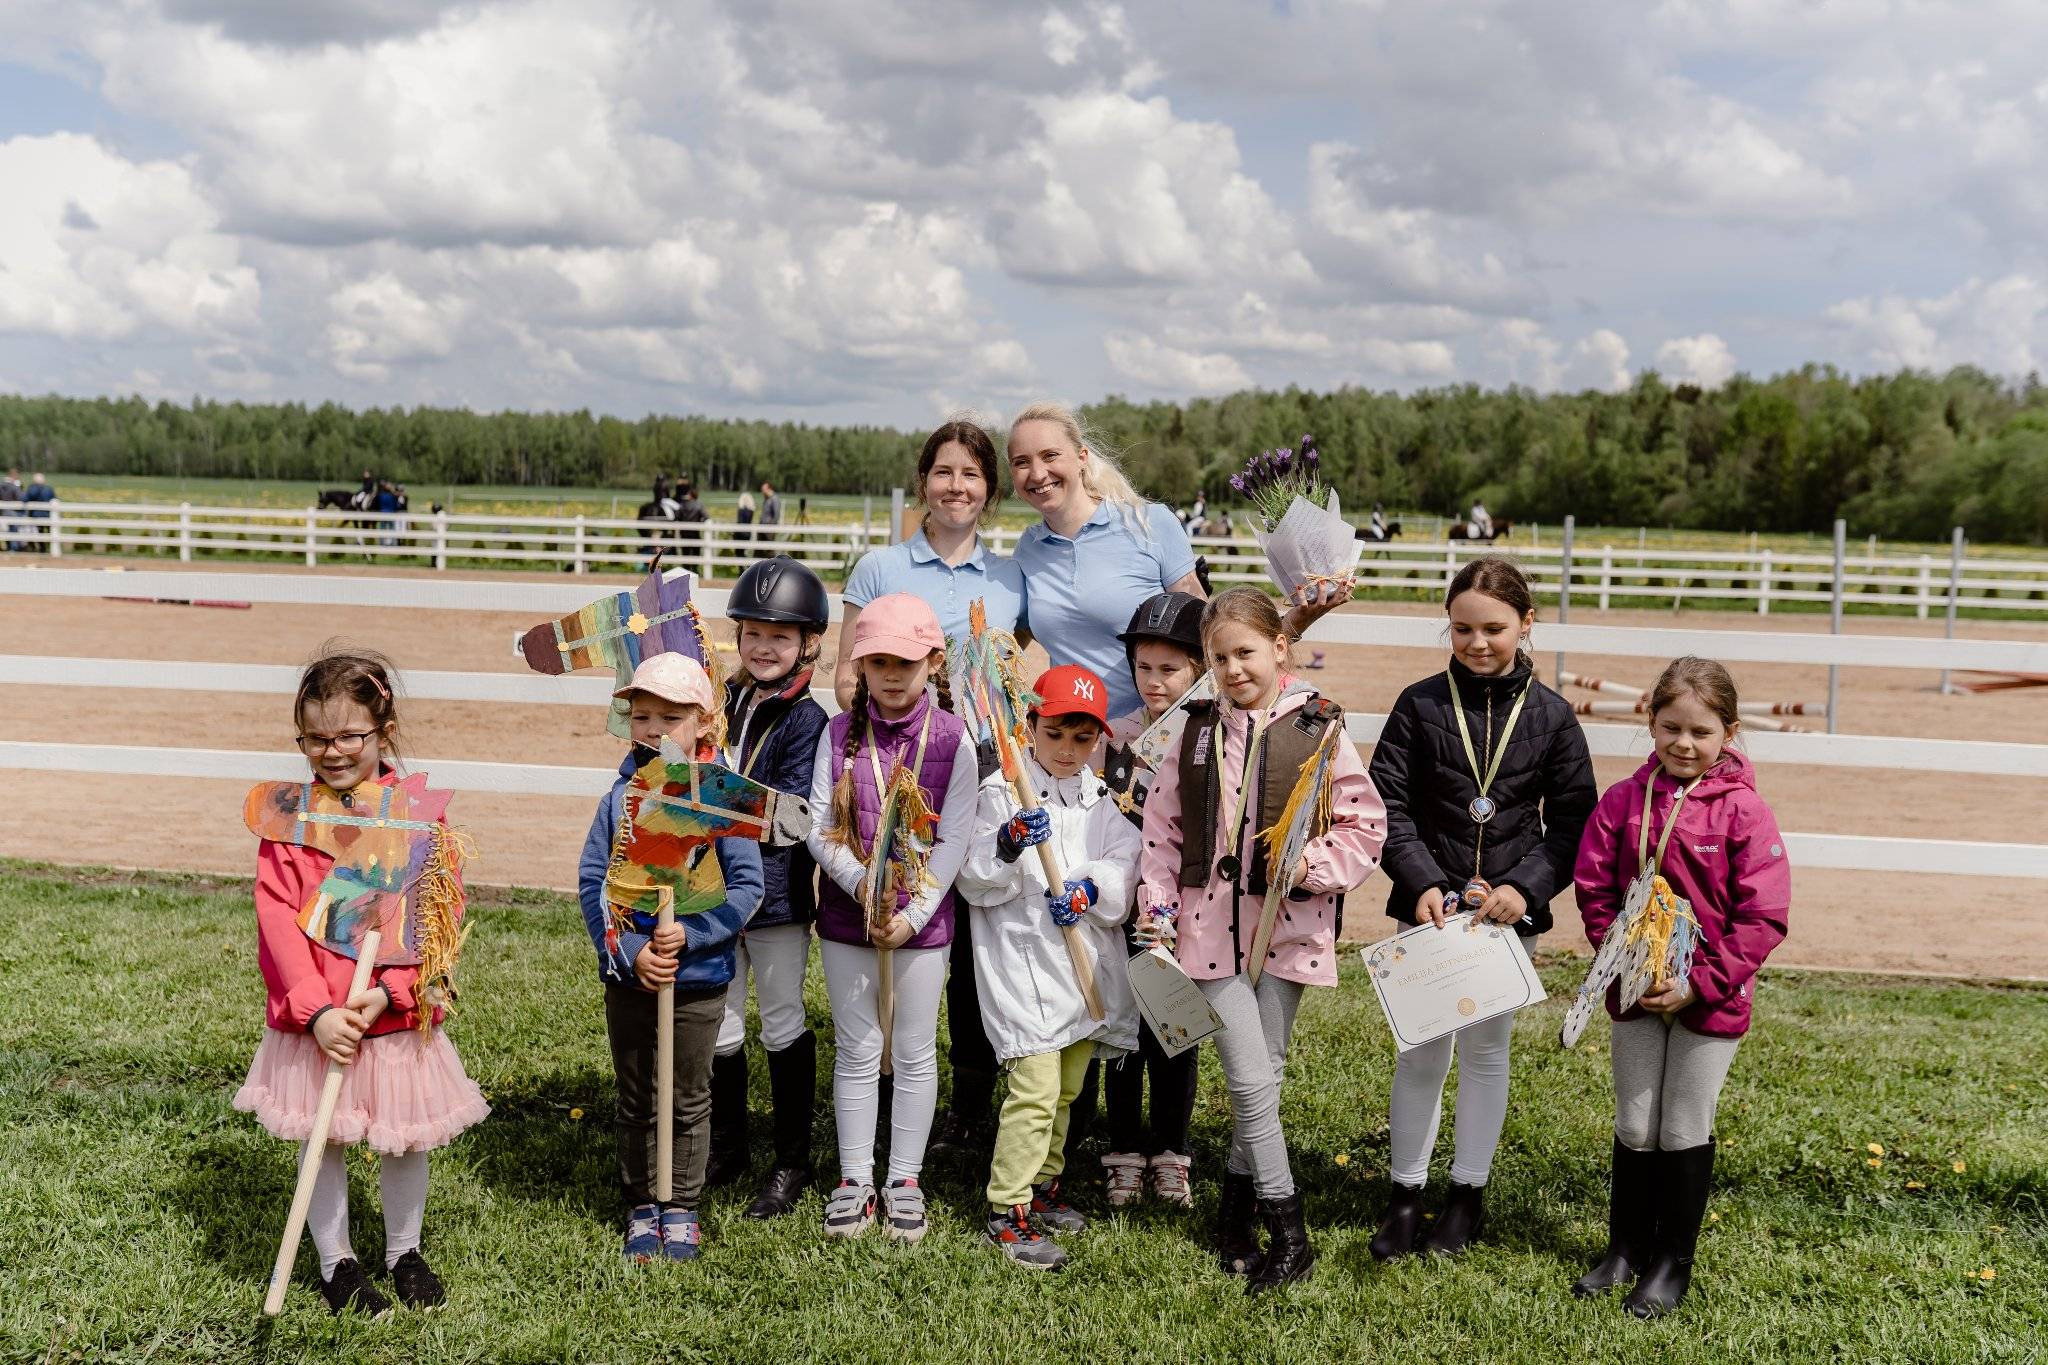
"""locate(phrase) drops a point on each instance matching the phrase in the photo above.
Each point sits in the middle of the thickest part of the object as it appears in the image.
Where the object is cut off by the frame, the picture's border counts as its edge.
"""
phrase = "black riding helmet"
(782, 590)
(1175, 617)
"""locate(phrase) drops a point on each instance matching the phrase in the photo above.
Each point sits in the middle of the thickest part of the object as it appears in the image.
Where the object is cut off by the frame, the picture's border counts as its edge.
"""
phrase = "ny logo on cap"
(1084, 688)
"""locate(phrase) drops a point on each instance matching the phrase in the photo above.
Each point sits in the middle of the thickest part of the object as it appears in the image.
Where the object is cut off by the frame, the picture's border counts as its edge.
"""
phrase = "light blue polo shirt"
(1083, 591)
(915, 567)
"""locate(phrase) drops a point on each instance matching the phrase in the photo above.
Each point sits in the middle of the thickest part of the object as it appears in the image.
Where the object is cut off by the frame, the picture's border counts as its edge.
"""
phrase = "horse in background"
(1462, 530)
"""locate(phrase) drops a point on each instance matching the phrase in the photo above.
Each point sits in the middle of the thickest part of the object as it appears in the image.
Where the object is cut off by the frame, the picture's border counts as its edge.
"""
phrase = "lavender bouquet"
(1297, 520)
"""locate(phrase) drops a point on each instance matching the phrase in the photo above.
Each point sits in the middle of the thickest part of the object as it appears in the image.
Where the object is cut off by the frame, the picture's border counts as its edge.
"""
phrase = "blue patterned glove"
(1069, 904)
(1025, 829)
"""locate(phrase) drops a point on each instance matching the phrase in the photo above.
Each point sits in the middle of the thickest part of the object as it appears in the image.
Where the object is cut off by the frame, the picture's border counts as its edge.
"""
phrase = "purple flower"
(1237, 484)
(1282, 460)
(1307, 442)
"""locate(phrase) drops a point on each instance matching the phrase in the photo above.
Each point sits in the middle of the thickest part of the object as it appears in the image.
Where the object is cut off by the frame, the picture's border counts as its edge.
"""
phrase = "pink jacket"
(1726, 856)
(1304, 947)
(302, 976)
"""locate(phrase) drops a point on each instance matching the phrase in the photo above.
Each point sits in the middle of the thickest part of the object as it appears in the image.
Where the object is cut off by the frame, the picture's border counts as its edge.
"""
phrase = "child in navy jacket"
(670, 697)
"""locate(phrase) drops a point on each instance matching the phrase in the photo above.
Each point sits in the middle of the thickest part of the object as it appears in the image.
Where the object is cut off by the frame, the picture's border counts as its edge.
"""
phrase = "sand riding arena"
(1980, 916)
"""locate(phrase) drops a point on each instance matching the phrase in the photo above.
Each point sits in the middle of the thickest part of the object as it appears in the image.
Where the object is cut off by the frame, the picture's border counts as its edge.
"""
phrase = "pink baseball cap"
(672, 677)
(899, 625)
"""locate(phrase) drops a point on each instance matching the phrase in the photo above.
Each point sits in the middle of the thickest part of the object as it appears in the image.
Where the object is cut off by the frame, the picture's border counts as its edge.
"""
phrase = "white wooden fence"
(1944, 857)
(1602, 575)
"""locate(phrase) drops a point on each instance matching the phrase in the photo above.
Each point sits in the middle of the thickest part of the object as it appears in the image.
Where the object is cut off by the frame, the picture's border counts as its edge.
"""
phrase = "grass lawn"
(138, 1212)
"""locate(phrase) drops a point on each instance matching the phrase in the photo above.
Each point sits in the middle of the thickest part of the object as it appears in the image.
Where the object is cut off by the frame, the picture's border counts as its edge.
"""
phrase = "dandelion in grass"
(1342, 1158)
(576, 1114)
(1958, 1167)
(1916, 1184)
(1987, 1274)
(1875, 1149)
(1873, 1161)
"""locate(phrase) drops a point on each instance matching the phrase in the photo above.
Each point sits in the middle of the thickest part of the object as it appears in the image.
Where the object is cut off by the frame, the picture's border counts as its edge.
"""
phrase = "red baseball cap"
(1071, 690)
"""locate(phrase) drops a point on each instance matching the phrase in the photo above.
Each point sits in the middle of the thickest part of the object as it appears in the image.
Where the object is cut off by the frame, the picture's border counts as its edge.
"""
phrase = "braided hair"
(845, 827)
(942, 679)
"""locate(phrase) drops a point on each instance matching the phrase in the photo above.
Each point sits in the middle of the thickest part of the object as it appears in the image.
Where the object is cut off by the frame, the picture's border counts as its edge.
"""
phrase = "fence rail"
(1608, 575)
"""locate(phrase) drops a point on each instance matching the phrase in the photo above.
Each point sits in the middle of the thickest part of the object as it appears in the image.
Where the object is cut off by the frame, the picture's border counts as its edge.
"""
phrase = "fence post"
(56, 529)
(895, 515)
(1564, 590)
(1835, 627)
(1955, 584)
(312, 535)
(1450, 565)
(440, 540)
(706, 543)
(867, 523)
(1763, 585)
(1606, 573)
(1926, 579)
(576, 547)
(185, 533)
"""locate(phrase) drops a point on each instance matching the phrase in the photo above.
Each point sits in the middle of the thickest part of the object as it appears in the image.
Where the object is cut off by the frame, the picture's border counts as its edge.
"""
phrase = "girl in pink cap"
(894, 722)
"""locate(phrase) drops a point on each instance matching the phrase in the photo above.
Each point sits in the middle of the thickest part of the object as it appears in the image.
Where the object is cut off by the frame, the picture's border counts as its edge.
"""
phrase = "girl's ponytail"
(845, 827)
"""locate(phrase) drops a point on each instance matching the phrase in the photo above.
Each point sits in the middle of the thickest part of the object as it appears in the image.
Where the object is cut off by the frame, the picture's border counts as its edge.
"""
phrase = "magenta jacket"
(1726, 857)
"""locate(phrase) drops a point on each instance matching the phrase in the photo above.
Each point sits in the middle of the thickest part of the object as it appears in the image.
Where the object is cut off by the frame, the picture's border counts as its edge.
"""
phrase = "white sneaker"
(903, 1217)
(1126, 1178)
(850, 1210)
(1170, 1179)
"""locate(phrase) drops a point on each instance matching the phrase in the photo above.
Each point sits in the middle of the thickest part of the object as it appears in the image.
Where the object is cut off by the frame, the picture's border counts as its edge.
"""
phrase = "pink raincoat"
(1217, 921)
(1726, 856)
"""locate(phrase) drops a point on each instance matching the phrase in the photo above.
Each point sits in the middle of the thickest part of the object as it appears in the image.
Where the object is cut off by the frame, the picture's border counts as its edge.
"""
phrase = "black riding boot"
(1464, 1213)
(1683, 1179)
(1401, 1225)
(1237, 1226)
(1631, 1224)
(728, 1161)
(793, 1085)
(1289, 1257)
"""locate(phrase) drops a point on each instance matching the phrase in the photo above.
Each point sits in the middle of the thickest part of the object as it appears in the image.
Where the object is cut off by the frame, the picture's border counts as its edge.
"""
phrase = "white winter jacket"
(1030, 1000)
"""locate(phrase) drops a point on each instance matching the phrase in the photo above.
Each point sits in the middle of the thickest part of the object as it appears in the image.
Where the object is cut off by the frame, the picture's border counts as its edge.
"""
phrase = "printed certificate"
(1171, 1005)
(1433, 981)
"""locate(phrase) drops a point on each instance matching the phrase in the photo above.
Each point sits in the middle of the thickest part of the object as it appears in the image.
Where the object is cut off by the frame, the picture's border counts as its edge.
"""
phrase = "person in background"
(744, 515)
(10, 491)
(771, 515)
(1480, 521)
(39, 495)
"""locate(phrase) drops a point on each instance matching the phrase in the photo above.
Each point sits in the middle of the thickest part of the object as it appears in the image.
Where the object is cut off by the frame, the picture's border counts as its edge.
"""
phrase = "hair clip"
(378, 683)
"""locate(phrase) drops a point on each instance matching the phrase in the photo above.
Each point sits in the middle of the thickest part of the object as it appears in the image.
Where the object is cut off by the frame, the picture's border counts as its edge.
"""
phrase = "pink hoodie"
(1726, 857)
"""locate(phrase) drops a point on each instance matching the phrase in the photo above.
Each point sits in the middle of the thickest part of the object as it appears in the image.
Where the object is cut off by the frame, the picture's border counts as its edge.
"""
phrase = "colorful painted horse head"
(617, 631)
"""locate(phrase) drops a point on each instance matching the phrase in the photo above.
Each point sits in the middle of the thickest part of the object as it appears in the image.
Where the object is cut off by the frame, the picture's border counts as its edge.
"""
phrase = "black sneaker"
(951, 1133)
(417, 1285)
(347, 1289)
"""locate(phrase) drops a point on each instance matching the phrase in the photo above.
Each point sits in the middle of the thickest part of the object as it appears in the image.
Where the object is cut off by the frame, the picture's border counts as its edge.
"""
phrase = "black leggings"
(1173, 1097)
(968, 1049)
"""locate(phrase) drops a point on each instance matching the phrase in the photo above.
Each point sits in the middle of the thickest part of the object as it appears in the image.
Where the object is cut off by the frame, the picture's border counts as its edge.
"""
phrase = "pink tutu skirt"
(403, 1093)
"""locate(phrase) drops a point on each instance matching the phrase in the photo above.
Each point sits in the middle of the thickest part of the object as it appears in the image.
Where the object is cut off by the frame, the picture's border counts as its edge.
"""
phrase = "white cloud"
(1704, 360)
(1997, 325)
(93, 245)
(1532, 357)
(1153, 365)
(380, 322)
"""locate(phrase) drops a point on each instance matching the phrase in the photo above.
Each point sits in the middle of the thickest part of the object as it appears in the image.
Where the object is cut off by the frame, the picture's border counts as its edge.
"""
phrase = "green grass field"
(138, 1212)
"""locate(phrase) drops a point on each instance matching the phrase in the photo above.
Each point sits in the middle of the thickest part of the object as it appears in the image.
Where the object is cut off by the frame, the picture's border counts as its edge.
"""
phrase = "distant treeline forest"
(1904, 455)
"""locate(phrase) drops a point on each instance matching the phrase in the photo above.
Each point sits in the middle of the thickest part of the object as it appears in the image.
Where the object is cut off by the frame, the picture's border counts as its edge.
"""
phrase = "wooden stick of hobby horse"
(665, 1065)
(316, 1142)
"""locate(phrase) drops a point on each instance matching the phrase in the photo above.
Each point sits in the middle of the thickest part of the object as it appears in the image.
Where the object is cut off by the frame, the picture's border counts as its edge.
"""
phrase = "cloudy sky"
(883, 209)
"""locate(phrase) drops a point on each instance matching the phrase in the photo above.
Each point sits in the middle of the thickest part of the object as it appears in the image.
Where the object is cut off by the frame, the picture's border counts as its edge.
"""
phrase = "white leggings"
(1418, 1103)
(778, 956)
(402, 1180)
(920, 979)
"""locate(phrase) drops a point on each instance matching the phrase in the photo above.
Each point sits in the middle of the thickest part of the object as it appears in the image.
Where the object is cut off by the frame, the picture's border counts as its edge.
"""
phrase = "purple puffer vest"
(839, 916)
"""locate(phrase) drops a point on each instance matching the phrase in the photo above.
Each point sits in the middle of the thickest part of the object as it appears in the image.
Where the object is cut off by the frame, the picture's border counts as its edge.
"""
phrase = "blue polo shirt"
(915, 567)
(1084, 590)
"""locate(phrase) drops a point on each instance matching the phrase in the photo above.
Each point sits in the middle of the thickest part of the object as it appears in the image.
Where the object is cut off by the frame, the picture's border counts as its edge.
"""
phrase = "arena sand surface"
(1851, 920)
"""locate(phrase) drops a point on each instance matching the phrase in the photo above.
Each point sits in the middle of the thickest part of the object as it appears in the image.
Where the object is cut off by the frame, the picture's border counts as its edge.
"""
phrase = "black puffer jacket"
(777, 746)
(1545, 790)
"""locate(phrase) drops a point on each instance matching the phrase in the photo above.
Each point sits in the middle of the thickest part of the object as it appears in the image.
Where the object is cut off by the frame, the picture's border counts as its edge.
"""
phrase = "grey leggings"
(1257, 1025)
(1667, 1082)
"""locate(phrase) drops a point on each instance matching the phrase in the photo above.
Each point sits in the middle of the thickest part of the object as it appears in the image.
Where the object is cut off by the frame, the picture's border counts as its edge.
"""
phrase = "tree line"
(1905, 455)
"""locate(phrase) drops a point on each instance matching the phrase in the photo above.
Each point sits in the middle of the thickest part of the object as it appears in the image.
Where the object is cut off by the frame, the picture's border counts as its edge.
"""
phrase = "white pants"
(1418, 1103)
(850, 981)
(402, 1180)
(778, 956)
(1258, 1024)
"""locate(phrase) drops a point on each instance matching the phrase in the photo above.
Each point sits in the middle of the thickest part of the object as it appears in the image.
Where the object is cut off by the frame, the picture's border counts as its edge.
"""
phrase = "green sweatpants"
(1031, 1143)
